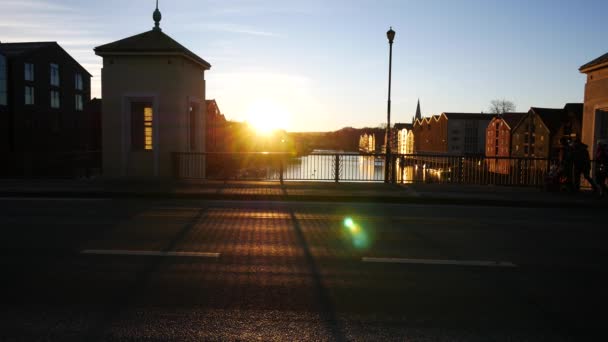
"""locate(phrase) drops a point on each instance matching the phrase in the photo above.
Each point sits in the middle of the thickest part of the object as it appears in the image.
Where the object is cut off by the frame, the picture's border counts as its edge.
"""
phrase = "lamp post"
(390, 34)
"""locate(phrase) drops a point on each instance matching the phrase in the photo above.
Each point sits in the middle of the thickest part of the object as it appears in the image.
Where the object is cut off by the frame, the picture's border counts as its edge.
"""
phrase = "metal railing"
(356, 167)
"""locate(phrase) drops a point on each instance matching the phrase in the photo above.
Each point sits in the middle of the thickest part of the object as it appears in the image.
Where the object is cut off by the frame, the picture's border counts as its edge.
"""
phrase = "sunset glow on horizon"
(325, 64)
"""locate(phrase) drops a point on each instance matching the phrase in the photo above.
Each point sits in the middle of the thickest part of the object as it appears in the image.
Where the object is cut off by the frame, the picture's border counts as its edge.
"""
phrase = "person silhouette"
(582, 166)
(601, 165)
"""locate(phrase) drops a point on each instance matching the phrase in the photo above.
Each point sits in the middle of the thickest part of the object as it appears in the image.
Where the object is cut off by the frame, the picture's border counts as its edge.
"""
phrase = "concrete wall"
(170, 83)
(596, 99)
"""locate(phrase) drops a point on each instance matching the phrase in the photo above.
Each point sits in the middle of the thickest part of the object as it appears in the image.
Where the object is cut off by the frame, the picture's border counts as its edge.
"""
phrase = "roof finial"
(157, 17)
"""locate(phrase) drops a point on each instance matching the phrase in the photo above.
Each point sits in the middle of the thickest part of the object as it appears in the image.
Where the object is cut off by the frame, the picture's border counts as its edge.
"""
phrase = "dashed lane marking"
(439, 262)
(150, 253)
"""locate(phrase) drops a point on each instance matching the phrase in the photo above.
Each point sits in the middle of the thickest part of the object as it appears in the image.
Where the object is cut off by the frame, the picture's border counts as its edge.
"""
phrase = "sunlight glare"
(266, 116)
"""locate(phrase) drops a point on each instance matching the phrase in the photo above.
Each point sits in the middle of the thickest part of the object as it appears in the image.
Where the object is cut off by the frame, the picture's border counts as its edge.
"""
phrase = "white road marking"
(61, 199)
(440, 262)
(150, 253)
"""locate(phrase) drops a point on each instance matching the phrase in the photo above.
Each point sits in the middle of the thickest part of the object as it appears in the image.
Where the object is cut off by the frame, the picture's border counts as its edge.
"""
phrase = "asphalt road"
(95, 269)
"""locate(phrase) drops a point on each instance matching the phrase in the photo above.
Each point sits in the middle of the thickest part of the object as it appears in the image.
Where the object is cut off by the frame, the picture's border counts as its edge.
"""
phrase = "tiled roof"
(17, 49)
(600, 60)
(575, 109)
(512, 119)
(468, 116)
(551, 117)
(25, 48)
(403, 125)
(153, 41)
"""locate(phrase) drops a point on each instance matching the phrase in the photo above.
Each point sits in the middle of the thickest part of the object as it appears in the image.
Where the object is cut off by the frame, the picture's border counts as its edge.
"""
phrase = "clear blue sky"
(325, 62)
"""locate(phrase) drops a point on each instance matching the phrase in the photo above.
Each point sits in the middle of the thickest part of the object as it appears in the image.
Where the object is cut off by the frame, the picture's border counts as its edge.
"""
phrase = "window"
(193, 126)
(54, 75)
(78, 102)
(78, 81)
(29, 71)
(142, 118)
(55, 99)
(148, 127)
(3, 91)
(29, 95)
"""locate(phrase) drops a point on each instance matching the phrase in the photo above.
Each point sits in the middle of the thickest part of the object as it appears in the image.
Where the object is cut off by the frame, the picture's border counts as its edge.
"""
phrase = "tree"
(501, 106)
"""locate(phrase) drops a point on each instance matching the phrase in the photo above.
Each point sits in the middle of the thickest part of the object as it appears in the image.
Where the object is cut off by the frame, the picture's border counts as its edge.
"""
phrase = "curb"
(314, 198)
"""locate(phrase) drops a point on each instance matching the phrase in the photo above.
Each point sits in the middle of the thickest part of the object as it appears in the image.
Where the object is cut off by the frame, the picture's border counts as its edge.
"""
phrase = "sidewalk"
(301, 191)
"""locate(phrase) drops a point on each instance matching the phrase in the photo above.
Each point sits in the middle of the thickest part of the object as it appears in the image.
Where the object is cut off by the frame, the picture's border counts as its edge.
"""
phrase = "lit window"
(29, 95)
(54, 75)
(55, 101)
(79, 102)
(78, 81)
(142, 126)
(29, 71)
(148, 128)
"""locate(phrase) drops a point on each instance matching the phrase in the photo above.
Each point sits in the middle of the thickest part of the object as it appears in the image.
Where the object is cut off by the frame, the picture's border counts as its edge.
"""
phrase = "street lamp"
(390, 34)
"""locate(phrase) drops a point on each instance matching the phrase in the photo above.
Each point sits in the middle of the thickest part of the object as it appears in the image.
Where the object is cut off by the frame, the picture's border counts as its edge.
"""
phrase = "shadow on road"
(327, 312)
(124, 300)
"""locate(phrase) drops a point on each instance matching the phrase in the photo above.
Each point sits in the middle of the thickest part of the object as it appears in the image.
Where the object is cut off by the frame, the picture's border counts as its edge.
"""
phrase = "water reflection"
(356, 168)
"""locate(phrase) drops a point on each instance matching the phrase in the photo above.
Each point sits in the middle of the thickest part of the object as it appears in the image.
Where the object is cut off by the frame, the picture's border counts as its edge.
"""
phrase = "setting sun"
(266, 116)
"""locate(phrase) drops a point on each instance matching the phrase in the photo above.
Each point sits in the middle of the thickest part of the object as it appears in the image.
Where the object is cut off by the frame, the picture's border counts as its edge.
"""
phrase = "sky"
(323, 64)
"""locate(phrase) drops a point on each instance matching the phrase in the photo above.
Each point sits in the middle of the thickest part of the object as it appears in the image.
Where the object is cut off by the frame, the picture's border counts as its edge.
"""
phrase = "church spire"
(157, 17)
(418, 113)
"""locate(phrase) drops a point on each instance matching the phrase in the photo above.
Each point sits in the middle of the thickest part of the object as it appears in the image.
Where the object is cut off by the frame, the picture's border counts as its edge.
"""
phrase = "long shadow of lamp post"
(390, 34)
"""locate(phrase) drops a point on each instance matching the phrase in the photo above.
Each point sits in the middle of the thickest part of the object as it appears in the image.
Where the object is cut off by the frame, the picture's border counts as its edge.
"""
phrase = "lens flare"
(356, 233)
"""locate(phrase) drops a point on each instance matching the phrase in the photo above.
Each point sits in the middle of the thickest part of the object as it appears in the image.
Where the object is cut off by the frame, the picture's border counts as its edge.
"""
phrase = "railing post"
(460, 169)
(337, 168)
(393, 168)
(281, 169)
(519, 171)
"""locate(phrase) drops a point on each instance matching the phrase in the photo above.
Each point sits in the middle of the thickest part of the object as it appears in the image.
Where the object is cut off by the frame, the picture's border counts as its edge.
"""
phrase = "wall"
(596, 98)
(45, 141)
(172, 83)
(431, 135)
(534, 127)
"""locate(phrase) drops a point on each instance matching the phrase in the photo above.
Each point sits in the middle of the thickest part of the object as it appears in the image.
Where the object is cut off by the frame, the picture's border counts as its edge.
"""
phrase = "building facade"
(403, 142)
(153, 91)
(499, 134)
(43, 92)
(367, 143)
(595, 114)
(451, 133)
(538, 133)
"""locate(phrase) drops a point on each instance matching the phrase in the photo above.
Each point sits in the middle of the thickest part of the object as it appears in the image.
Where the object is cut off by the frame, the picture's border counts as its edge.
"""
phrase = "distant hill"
(345, 139)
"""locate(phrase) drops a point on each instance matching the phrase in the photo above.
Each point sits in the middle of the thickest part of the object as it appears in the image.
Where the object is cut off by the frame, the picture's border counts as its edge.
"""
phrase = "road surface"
(102, 269)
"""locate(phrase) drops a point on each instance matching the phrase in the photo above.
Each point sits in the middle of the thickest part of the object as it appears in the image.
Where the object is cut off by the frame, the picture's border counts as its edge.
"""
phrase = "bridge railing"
(362, 167)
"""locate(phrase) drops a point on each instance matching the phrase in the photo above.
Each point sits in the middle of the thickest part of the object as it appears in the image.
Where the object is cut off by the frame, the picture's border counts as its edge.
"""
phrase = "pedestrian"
(582, 166)
(565, 164)
(601, 165)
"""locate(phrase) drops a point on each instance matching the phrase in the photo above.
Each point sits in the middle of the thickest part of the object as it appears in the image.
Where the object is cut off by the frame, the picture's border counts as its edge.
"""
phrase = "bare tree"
(501, 106)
